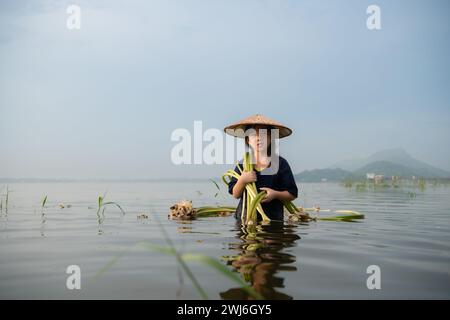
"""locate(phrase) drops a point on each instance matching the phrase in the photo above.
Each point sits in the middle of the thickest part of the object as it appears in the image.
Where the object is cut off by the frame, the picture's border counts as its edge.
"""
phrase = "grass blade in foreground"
(186, 257)
(211, 262)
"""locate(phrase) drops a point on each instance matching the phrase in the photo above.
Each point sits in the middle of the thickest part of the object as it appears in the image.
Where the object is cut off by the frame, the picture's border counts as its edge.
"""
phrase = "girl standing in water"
(279, 184)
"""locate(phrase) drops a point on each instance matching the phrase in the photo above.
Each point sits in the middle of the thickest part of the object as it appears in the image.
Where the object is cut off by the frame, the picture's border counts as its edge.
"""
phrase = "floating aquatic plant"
(184, 210)
(343, 215)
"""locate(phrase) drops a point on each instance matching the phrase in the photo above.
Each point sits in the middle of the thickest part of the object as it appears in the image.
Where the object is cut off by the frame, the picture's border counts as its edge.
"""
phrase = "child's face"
(259, 139)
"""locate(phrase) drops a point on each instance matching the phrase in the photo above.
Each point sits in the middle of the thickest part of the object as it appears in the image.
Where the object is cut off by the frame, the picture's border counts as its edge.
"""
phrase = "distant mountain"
(389, 169)
(318, 174)
(391, 162)
(350, 164)
(396, 156)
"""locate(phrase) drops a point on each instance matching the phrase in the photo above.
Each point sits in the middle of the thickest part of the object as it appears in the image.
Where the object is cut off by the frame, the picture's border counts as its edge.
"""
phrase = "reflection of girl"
(280, 185)
(260, 259)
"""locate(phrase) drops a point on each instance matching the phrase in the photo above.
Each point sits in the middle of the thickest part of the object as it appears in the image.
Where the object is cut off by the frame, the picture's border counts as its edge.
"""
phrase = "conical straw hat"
(254, 120)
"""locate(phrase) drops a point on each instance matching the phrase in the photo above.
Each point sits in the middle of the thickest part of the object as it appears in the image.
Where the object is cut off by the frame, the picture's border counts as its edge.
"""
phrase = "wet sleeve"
(287, 180)
(233, 180)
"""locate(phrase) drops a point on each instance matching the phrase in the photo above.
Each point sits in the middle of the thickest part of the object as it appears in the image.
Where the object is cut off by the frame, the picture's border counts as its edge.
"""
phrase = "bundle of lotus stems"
(252, 199)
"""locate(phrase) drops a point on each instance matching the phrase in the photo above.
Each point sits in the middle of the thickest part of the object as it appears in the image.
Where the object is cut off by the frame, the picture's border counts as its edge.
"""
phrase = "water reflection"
(260, 256)
(42, 225)
(186, 227)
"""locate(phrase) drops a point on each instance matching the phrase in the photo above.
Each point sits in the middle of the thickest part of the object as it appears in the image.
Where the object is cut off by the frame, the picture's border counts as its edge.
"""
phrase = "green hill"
(396, 156)
(393, 162)
(318, 174)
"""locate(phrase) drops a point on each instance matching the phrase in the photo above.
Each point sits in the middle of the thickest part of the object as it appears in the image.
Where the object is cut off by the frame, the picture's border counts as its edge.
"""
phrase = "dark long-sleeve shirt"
(283, 180)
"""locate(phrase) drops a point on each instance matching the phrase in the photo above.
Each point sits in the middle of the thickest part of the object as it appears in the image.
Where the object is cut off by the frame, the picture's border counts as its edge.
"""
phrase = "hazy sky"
(102, 102)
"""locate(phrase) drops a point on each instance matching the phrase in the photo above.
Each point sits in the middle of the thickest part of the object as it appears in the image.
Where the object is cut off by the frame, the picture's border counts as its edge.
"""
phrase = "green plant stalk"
(250, 191)
(251, 212)
(217, 186)
(252, 202)
(216, 209)
(7, 199)
(44, 202)
(114, 204)
(212, 211)
(249, 216)
(289, 205)
(244, 206)
(102, 205)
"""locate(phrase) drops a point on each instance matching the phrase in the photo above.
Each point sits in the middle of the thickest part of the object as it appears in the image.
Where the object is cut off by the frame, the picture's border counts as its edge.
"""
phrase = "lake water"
(406, 234)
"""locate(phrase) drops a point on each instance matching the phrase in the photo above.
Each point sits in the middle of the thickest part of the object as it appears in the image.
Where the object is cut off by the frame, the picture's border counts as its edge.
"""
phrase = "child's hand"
(248, 177)
(271, 195)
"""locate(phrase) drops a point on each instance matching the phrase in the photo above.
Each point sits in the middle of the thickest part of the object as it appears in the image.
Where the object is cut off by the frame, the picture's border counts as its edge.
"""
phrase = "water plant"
(348, 183)
(421, 183)
(7, 199)
(343, 215)
(361, 186)
(102, 207)
(217, 186)
(44, 201)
